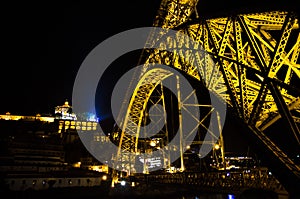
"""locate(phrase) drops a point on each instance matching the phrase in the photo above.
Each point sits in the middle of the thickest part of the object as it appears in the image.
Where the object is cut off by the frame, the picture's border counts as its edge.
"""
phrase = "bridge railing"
(258, 178)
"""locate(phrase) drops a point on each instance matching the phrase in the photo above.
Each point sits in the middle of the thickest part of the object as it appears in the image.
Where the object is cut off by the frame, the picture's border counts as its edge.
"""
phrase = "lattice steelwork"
(133, 120)
(251, 64)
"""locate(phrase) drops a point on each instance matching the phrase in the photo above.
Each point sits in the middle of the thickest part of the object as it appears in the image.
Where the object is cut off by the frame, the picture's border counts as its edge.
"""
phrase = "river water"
(99, 195)
(196, 196)
(94, 193)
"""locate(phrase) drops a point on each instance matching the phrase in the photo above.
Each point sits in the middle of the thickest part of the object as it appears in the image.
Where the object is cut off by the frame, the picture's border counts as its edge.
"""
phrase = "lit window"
(97, 138)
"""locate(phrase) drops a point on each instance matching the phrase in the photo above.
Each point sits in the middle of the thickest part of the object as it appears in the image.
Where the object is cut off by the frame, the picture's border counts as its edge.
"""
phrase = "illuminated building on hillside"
(9, 116)
(68, 121)
(64, 112)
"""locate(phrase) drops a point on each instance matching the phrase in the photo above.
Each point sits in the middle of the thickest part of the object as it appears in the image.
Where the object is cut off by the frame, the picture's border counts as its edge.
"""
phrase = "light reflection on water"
(208, 196)
(198, 196)
(179, 196)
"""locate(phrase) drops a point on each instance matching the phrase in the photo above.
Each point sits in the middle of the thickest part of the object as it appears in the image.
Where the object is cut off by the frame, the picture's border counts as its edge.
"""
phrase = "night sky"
(43, 44)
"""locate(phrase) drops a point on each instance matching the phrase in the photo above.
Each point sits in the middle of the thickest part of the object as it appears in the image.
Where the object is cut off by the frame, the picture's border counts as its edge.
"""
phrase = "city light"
(123, 183)
(230, 196)
(217, 147)
(104, 177)
(152, 143)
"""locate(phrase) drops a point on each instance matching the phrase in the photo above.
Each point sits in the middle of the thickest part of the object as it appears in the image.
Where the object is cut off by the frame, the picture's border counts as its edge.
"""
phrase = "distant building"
(64, 112)
(8, 116)
(66, 119)
(33, 153)
(39, 152)
(91, 163)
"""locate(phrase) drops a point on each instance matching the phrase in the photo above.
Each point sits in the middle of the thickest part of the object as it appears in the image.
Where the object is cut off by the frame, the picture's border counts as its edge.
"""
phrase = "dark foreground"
(116, 193)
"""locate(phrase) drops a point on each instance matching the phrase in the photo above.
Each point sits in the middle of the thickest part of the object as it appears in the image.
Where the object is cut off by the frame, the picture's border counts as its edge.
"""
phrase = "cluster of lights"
(78, 125)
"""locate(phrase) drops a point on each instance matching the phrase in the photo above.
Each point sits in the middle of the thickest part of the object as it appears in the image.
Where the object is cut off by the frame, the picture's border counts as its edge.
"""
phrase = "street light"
(217, 147)
(152, 143)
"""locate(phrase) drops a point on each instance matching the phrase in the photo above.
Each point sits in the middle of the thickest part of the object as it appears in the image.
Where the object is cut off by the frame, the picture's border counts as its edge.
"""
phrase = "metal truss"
(143, 97)
(251, 63)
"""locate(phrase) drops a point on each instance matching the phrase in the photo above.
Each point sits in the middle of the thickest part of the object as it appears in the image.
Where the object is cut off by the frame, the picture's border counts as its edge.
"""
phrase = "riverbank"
(58, 193)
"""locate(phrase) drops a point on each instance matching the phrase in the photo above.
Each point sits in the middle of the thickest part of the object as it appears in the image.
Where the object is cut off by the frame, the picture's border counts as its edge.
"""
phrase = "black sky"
(43, 44)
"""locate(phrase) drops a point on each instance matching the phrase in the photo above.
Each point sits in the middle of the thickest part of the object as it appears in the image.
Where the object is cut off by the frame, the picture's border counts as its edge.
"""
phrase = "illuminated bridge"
(247, 61)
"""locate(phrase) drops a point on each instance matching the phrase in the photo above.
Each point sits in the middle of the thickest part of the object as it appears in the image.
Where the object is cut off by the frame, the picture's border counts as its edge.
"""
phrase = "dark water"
(196, 196)
(100, 195)
(85, 195)
(201, 196)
